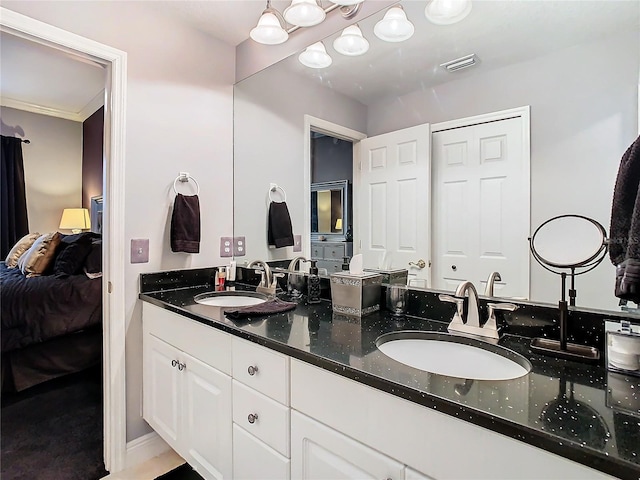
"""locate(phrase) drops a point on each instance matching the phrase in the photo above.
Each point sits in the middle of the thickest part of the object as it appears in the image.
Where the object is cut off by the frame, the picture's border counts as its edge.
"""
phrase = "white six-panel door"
(480, 183)
(394, 200)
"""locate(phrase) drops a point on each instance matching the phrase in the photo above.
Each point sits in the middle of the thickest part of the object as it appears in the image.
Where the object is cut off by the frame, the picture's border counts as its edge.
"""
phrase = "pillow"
(35, 261)
(19, 248)
(93, 262)
(70, 257)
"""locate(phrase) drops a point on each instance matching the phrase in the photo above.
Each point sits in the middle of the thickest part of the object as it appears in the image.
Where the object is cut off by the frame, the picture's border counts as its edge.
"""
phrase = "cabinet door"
(319, 452)
(207, 413)
(254, 460)
(161, 389)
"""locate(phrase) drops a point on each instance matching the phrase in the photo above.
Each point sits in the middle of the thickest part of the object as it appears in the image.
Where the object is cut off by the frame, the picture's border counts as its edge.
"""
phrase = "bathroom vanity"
(306, 394)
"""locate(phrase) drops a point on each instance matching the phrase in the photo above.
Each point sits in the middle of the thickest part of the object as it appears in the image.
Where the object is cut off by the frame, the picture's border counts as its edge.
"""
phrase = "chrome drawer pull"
(182, 366)
(252, 370)
(174, 363)
(253, 418)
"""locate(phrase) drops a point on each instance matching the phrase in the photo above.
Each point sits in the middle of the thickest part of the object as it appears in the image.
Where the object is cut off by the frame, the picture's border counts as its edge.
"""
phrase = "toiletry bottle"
(345, 264)
(222, 276)
(313, 288)
(231, 275)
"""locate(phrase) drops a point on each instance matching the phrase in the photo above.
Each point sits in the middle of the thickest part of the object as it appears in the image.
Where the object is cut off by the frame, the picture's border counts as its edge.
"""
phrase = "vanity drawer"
(253, 460)
(262, 369)
(317, 251)
(330, 266)
(269, 420)
(334, 252)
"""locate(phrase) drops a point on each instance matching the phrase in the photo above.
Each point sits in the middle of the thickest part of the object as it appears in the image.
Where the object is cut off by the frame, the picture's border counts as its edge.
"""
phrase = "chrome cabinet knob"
(253, 418)
(174, 363)
(454, 268)
(252, 370)
(182, 366)
(420, 263)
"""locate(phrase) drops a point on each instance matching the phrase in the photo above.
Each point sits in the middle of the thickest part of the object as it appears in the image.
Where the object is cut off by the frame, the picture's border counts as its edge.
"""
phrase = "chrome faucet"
(493, 277)
(467, 320)
(267, 281)
(295, 281)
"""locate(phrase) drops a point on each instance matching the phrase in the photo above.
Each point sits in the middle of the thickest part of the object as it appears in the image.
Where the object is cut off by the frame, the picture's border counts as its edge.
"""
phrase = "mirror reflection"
(565, 72)
(329, 215)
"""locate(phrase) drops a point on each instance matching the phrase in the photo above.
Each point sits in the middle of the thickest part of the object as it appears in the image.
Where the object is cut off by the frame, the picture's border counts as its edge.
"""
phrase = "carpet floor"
(183, 472)
(53, 431)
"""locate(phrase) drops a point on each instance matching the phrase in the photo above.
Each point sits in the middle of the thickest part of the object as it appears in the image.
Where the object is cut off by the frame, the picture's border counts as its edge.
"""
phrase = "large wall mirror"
(572, 67)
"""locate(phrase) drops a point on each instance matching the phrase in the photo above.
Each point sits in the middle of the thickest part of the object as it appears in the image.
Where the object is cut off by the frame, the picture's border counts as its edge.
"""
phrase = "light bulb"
(315, 56)
(269, 31)
(304, 13)
(394, 27)
(446, 12)
(351, 42)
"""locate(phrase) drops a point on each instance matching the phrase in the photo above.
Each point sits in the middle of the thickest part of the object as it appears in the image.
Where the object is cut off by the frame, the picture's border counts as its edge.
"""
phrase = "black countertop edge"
(562, 447)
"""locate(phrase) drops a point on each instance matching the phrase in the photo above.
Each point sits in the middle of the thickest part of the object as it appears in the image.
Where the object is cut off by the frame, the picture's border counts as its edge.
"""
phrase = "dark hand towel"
(280, 232)
(185, 224)
(624, 232)
(272, 306)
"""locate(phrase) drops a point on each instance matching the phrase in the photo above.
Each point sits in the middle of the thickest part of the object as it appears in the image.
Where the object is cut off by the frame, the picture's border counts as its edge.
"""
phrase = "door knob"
(420, 263)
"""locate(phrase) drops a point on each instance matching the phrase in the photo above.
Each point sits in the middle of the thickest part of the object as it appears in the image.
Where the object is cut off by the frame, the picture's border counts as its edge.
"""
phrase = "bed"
(51, 323)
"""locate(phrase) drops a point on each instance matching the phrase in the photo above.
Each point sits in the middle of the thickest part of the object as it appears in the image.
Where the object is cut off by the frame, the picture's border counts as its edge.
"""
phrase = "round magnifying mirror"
(568, 241)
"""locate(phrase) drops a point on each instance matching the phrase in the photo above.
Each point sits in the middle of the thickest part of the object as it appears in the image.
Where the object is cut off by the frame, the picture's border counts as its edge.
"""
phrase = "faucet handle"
(491, 322)
(457, 317)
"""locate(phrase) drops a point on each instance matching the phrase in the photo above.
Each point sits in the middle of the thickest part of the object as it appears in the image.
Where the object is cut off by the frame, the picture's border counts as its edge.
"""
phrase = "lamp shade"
(339, 224)
(315, 56)
(351, 43)
(269, 30)
(304, 13)
(446, 12)
(394, 27)
(75, 219)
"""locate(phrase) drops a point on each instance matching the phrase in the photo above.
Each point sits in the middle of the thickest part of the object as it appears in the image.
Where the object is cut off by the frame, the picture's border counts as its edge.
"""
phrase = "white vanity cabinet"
(261, 414)
(187, 396)
(428, 443)
(319, 452)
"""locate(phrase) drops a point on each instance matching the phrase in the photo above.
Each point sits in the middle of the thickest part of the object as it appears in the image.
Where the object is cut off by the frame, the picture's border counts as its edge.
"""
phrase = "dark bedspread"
(36, 309)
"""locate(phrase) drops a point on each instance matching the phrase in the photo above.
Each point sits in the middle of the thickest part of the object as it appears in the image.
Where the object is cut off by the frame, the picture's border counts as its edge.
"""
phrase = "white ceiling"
(498, 31)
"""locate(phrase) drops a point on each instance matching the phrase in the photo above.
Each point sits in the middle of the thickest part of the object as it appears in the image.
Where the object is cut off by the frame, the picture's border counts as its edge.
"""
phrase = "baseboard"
(144, 448)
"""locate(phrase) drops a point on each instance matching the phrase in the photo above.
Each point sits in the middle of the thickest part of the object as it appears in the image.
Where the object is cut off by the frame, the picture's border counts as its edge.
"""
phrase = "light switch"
(139, 250)
(297, 243)
(226, 247)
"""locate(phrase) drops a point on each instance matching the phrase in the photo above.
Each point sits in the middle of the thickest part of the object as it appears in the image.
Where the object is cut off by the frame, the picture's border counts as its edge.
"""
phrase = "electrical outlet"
(139, 250)
(297, 243)
(226, 247)
(239, 247)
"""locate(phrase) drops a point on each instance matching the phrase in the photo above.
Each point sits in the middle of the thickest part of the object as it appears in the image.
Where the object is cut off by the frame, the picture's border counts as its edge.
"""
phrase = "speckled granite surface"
(579, 411)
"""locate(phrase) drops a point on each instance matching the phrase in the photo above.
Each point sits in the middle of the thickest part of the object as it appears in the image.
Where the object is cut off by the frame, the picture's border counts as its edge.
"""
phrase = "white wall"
(269, 148)
(179, 117)
(52, 165)
(584, 104)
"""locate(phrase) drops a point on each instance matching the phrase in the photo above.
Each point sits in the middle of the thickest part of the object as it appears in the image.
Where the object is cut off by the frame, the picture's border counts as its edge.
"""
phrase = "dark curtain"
(13, 199)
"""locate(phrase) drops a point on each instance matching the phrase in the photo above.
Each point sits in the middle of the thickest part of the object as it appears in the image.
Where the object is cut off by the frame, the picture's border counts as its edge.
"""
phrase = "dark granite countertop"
(579, 411)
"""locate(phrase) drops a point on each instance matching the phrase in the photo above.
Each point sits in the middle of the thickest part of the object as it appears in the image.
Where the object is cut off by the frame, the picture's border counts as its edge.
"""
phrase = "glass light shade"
(346, 3)
(446, 12)
(339, 224)
(269, 31)
(315, 56)
(394, 27)
(351, 42)
(304, 13)
(75, 219)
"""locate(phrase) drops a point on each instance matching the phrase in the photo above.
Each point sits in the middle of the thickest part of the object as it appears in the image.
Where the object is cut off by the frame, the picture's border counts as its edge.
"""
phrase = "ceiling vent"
(460, 63)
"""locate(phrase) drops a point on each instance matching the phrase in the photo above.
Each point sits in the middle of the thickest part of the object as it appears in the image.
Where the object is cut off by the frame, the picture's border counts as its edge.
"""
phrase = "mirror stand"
(552, 248)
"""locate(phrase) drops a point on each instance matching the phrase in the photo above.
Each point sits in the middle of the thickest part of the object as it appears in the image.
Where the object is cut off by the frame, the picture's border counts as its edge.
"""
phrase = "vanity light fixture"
(270, 29)
(315, 56)
(304, 13)
(460, 63)
(351, 42)
(394, 27)
(446, 12)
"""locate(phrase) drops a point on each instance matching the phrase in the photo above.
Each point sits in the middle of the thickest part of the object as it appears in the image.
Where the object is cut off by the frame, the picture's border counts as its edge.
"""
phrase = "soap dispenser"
(313, 288)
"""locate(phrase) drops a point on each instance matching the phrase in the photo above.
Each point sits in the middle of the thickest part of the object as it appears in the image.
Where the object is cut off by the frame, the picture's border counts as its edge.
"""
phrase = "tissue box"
(397, 276)
(356, 295)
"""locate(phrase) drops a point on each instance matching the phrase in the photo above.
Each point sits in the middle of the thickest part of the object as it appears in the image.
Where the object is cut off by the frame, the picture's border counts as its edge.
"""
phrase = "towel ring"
(185, 177)
(275, 187)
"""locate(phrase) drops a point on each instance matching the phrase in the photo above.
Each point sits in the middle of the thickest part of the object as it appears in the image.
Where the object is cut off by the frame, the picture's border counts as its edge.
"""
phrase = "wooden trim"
(114, 312)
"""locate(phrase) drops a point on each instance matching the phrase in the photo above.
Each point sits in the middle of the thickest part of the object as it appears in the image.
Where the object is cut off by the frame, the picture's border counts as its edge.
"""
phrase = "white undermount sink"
(453, 355)
(230, 299)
